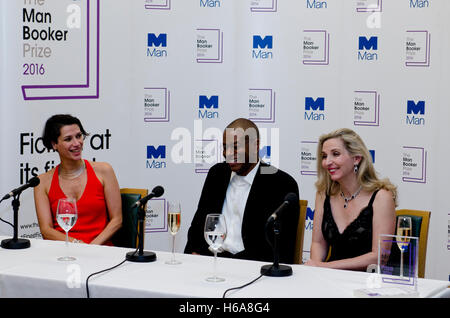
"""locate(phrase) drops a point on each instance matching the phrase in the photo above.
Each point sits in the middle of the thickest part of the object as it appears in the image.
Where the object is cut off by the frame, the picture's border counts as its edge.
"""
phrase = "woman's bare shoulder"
(384, 195)
(45, 179)
(103, 167)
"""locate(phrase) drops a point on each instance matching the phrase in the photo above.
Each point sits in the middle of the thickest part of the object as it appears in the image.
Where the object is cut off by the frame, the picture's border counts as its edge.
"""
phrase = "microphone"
(275, 269)
(289, 199)
(32, 183)
(16, 242)
(143, 256)
(156, 192)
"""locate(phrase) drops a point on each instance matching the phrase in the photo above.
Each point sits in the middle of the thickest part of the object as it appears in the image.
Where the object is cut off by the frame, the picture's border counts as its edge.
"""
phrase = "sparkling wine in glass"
(66, 215)
(174, 221)
(404, 229)
(215, 234)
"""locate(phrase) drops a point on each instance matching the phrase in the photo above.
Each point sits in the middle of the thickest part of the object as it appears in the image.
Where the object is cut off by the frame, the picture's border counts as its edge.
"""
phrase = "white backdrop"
(148, 78)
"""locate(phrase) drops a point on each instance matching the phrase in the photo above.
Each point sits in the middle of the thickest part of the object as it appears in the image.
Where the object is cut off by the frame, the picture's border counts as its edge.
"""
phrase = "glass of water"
(67, 215)
(215, 234)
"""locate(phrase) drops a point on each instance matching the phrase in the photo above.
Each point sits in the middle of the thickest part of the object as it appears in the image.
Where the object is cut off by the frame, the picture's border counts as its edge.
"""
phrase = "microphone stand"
(15, 243)
(276, 270)
(141, 256)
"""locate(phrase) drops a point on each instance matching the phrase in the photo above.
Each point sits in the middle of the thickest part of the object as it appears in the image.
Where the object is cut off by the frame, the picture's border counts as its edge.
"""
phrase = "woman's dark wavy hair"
(52, 129)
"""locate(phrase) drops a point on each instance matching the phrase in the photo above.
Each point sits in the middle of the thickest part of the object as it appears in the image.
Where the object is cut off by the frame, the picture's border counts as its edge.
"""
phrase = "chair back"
(127, 236)
(298, 256)
(420, 222)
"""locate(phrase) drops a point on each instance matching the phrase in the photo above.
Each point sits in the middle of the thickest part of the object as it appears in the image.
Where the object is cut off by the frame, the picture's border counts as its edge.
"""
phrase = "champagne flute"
(174, 219)
(404, 229)
(215, 234)
(66, 215)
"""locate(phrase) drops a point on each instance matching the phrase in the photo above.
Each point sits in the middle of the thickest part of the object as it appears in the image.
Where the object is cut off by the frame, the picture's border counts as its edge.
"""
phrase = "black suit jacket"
(267, 193)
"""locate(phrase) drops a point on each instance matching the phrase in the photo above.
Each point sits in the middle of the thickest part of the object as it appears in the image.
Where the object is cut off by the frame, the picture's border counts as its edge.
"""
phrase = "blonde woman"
(352, 207)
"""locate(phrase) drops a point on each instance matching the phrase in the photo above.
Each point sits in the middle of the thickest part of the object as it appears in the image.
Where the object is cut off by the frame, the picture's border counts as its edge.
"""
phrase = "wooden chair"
(127, 234)
(298, 256)
(420, 222)
(142, 192)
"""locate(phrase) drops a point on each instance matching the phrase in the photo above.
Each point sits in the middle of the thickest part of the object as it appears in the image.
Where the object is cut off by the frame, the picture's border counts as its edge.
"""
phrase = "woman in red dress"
(93, 185)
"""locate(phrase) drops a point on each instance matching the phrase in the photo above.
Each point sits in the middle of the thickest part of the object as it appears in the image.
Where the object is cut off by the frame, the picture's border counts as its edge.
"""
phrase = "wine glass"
(67, 215)
(174, 219)
(403, 231)
(215, 234)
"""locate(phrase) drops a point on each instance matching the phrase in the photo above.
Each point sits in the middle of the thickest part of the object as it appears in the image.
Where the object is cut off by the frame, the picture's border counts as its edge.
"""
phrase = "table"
(35, 272)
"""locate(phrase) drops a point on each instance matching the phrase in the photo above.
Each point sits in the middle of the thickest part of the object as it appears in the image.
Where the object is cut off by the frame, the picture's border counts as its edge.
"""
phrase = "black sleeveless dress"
(356, 239)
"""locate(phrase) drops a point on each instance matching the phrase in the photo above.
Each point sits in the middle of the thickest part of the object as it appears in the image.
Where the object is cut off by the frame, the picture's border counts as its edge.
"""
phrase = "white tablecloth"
(36, 272)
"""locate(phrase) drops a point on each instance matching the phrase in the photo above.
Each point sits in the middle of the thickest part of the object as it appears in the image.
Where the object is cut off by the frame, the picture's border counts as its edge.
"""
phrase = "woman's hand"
(312, 262)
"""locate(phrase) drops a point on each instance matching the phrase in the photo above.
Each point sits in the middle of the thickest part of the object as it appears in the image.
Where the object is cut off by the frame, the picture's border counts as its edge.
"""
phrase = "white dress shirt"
(233, 209)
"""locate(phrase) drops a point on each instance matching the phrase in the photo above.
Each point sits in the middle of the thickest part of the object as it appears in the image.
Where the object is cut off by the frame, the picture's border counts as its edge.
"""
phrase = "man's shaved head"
(241, 145)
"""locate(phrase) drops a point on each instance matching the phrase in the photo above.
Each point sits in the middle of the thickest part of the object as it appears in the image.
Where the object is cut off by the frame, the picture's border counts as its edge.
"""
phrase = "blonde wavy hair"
(366, 175)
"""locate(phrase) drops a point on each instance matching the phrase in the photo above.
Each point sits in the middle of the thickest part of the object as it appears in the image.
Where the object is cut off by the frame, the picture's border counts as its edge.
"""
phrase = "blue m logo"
(160, 40)
(258, 42)
(368, 44)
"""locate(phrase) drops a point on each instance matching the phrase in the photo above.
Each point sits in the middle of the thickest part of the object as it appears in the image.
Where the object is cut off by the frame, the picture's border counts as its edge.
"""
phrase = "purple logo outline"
(166, 117)
(204, 170)
(271, 118)
(423, 178)
(376, 121)
(378, 8)
(409, 280)
(165, 227)
(273, 8)
(326, 49)
(165, 6)
(87, 85)
(426, 63)
(448, 240)
(306, 172)
(219, 58)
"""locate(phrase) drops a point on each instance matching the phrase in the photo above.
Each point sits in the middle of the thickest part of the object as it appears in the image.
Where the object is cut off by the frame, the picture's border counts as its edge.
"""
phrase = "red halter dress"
(92, 212)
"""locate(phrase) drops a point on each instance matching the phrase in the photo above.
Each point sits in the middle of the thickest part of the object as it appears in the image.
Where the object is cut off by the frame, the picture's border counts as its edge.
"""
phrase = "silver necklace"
(348, 199)
(73, 175)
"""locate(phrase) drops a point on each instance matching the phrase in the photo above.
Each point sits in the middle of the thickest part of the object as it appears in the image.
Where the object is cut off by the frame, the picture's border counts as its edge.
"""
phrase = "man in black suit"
(247, 191)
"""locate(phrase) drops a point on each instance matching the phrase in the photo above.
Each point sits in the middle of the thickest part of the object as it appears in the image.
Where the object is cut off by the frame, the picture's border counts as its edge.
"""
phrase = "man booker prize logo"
(156, 157)
(156, 45)
(262, 47)
(367, 48)
(313, 4)
(316, 47)
(415, 113)
(209, 4)
(314, 109)
(208, 107)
